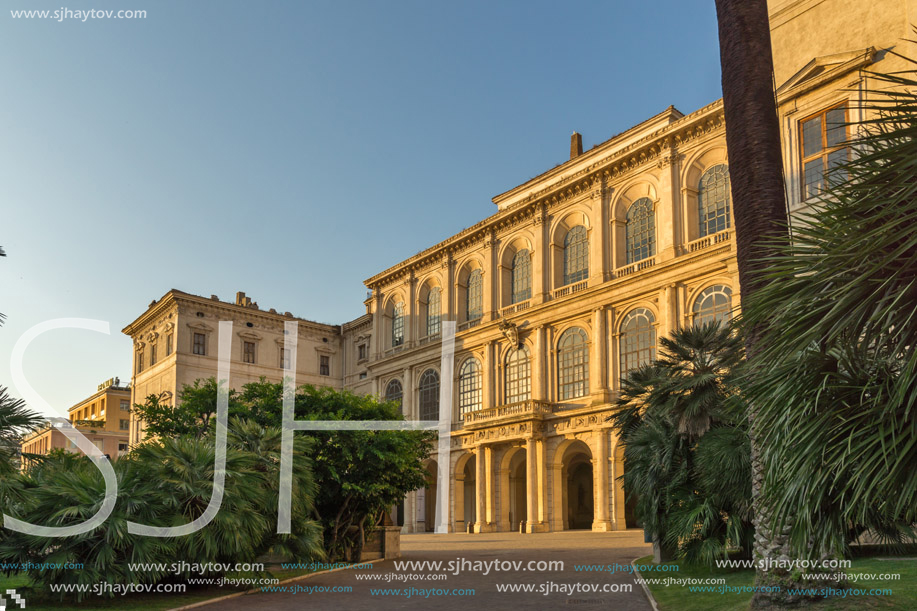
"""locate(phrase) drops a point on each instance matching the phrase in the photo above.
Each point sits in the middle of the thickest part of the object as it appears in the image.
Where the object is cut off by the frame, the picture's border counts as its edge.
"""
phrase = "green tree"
(687, 456)
(835, 378)
(15, 420)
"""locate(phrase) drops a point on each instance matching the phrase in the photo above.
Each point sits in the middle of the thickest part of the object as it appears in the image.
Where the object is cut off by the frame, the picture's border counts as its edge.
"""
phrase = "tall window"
(576, 255)
(714, 304)
(285, 358)
(168, 344)
(522, 276)
(713, 200)
(823, 137)
(393, 391)
(139, 361)
(640, 230)
(429, 395)
(398, 324)
(469, 386)
(434, 310)
(324, 366)
(199, 344)
(124, 425)
(638, 340)
(152, 354)
(248, 352)
(573, 364)
(474, 296)
(518, 376)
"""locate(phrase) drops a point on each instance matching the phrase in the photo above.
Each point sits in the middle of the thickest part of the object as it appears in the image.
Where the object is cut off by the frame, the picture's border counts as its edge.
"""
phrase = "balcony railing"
(469, 324)
(429, 338)
(393, 350)
(569, 289)
(636, 267)
(515, 308)
(528, 408)
(708, 241)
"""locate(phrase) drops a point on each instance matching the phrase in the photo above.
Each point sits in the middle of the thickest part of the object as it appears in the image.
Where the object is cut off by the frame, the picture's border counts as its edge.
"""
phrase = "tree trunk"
(759, 210)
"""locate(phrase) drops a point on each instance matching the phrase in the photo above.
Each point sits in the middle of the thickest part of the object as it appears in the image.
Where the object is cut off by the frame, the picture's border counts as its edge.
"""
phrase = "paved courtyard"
(514, 551)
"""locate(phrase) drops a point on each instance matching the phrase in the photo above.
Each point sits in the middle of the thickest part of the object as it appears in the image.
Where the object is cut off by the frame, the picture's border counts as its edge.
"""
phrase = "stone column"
(667, 215)
(480, 489)
(670, 305)
(531, 486)
(538, 364)
(376, 341)
(541, 261)
(410, 329)
(598, 385)
(542, 483)
(449, 307)
(489, 488)
(491, 286)
(601, 483)
(487, 397)
(598, 268)
(407, 395)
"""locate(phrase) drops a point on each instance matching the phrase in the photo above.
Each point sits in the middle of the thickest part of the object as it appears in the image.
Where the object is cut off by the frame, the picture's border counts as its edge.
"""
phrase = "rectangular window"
(284, 358)
(199, 345)
(361, 351)
(152, 354)
(139, 362)
(823, 148)
(125, 405)
(362, 375)
(168, 344)
(324, 365)
(248, 352)
(125, 425)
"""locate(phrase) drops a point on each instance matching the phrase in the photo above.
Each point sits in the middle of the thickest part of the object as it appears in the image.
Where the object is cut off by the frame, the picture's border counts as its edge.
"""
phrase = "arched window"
(713, 200)
(434, 310)
(638, 340)
(469, 386)
(714, 304)
(398, 324)
(518, 376)
(474, 296)
(640, 230)
(429, 395)
(394, 391)
(573, 364)
(576, 255)
(522, 276)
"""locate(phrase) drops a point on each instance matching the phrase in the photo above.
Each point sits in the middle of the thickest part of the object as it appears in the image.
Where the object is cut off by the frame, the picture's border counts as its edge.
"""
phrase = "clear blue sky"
(222, 146)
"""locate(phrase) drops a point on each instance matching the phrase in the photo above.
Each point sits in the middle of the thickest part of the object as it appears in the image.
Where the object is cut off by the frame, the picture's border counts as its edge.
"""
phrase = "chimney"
(242, 300)
(576, 145)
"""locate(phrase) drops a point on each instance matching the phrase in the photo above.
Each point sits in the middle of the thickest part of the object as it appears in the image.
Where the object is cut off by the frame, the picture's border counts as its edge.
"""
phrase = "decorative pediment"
(139, 344)
(824, 69)
(250, 336)
(200, 327)
(152, 336)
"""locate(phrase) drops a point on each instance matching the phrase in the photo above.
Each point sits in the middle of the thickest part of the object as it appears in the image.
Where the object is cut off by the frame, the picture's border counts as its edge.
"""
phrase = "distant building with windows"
(560, 293)
(104, 418)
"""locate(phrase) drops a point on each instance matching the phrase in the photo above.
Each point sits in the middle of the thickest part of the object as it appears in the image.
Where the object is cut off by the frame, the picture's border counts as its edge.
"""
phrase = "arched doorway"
(464, 492)
(574, 494)
(430, 497)
(513, 490)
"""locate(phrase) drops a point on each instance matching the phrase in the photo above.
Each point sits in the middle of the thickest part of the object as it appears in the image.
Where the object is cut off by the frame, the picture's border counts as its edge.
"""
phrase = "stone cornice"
(616, 164)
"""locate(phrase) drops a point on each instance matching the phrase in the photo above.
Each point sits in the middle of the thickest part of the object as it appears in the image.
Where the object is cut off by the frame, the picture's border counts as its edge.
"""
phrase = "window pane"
(469, 387)
(429, 395)
(434, 308)
(713, 304)
(836, 126)
(518, 376)
(573, 364)
(640, 230)
(813, 177)
(836, 158)
(638, 340)
(398, 325)
(522, 278)
(474, 297)
(393, 391)
(713, 200)
(811, 136)
(576, 255)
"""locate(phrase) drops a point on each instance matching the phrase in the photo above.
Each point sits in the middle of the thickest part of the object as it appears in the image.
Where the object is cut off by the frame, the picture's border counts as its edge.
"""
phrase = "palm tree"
(15, 420)
(836, 371)
(686, 445)
(759, 208)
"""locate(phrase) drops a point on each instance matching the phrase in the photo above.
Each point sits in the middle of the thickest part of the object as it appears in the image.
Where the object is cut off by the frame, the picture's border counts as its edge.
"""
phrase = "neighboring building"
(104, 418)
(560, 293)
(175, 343)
